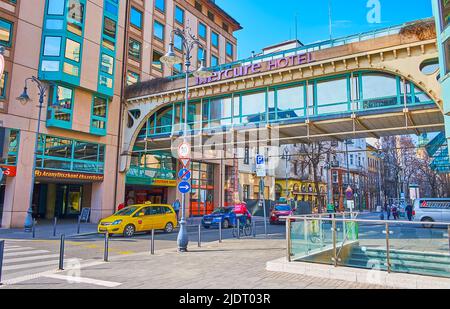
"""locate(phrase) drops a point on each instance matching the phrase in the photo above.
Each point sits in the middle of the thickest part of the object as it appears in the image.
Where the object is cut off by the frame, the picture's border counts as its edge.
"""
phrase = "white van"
(432, 210)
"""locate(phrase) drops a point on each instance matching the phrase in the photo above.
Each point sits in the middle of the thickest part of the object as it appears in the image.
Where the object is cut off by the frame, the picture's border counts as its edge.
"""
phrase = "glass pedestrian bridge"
(343, 240)
(362, 92)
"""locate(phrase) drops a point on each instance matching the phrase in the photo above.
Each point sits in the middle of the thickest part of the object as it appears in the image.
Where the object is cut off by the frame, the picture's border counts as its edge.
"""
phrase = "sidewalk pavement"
(44, 230)
(233, 264)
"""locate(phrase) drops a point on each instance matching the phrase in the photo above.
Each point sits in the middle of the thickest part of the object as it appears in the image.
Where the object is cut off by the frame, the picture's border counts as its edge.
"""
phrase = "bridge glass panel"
(164, 120)
(379, 90)
(253, 107)
(220, 112)
(290, 102)
(332, 96)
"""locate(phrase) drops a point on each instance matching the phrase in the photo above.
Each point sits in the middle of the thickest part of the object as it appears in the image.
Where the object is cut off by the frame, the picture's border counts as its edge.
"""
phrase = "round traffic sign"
(184, 174)
(184, 150)
(184, 187)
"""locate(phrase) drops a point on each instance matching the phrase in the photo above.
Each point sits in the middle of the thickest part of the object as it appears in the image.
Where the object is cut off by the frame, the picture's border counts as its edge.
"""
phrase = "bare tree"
(312, 154)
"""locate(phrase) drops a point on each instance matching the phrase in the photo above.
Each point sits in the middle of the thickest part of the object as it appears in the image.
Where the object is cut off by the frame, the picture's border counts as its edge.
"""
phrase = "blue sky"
(268, 22)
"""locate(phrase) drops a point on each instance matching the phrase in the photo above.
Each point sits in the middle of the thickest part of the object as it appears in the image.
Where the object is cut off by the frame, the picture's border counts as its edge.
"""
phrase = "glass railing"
(307, 48)
(344, 240)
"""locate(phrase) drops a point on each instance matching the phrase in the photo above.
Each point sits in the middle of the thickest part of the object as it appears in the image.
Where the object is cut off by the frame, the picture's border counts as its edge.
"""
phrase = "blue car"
(226, 217)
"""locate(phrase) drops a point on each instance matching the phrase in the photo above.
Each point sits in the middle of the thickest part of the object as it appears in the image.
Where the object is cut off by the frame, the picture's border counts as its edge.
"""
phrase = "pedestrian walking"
(388, 212)
(395, 212)
(176, 207)
(409, 212)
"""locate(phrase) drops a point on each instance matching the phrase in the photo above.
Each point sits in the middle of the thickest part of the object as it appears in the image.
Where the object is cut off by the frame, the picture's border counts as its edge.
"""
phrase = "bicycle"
(244, 229)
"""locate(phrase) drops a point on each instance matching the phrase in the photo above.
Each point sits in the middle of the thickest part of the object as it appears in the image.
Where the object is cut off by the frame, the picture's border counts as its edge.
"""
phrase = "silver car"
(432, 210)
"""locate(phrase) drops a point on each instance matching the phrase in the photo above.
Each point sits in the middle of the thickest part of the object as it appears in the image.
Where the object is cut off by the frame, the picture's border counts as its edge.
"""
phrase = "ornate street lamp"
(24, 98)
(189, 41)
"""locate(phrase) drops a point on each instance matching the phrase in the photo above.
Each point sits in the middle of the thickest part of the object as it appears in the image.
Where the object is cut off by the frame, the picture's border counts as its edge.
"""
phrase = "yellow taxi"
(140, 218)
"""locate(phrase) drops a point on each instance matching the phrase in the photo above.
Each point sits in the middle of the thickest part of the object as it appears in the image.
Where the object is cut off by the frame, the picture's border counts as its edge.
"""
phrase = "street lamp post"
(189, 41)
(286, 157)
(24, 98)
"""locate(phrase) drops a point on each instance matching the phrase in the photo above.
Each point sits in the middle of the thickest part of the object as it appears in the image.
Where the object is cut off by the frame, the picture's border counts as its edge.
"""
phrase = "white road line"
(18, 249)
(31, 265)
(108, 284)
(30, 258)
(8, 247)
(33, 252)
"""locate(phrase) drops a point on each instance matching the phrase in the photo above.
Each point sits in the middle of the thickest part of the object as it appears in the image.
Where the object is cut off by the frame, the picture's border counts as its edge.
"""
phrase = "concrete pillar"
(51, 201)
(17, 191)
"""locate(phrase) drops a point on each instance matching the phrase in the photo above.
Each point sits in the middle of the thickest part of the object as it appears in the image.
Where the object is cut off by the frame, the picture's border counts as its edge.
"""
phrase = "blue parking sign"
(259, 159)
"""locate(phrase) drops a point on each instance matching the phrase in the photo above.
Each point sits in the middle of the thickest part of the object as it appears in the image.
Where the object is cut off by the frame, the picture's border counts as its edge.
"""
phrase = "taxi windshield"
(126, 211)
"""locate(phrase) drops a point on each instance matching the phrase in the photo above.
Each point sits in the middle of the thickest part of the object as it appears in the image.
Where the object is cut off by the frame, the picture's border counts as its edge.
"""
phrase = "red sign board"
(9, 170)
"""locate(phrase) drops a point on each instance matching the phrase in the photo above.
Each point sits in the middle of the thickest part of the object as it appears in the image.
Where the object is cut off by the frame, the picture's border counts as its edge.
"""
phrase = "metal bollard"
(254, 229)
(33, 229)
(106, 253)
(61, 252)
(2, 249)
(79, 223)
(220, 232)
(199, 235)
(54, 226)
(152, 243)
(238, 230)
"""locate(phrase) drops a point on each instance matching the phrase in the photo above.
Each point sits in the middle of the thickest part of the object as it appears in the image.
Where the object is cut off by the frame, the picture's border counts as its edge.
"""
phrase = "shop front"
(202, 194)
(301, 191)
(151, 178)
(8, 165)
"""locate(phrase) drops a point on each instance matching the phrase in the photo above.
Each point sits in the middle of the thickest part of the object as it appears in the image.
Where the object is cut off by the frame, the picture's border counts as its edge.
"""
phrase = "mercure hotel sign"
(255, 68)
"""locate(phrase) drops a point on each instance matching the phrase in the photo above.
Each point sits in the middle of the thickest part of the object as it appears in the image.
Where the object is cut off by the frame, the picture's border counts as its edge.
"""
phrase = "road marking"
(30, 258)
(25, 253)
(18, 249)
(8, 247)
(31, 265)
(108, 284)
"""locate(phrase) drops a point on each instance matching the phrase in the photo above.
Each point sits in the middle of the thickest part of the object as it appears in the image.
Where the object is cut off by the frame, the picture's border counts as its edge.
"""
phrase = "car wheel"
(168, 228)
(226, 224)
(427, 226)
(129, 231)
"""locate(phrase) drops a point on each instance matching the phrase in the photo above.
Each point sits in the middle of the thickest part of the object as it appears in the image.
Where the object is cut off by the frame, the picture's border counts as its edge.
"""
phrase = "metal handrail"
(369, 221)
(343, 244)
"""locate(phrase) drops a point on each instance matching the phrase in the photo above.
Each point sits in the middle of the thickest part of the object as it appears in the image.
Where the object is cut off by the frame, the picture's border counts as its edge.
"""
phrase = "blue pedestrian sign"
(184, 187)
(184, 174)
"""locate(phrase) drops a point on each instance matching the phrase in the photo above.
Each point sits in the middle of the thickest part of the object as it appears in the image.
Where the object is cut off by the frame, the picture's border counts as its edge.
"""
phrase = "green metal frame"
(94, 130)
(5, 84)
(13, 151)
(11, 32)
(51, 121)
(94, 167)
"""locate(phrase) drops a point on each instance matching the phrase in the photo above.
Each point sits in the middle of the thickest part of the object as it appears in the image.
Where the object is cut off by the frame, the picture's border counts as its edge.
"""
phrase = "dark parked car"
(226, 217)
(280, 210)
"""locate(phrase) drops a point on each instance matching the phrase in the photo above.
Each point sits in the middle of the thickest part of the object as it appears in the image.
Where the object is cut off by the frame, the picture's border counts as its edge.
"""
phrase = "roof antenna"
(330, 19)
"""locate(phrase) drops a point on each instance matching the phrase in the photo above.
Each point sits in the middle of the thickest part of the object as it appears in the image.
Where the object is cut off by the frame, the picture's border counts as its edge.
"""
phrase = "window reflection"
(290, 102)
(379, 90)
(253, 107)
(72, 50)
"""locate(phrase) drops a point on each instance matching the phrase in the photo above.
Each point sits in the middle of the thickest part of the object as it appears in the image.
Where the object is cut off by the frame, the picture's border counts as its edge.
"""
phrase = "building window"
(55, 153)
(110, 8)
(3, 83)
(178, 42)
(62, 116)
(214, 61)
(246, 191)
(229, 49)
(158, 30)
(211, 15)
(202, 30)
(134, 50)
(177, 68)
(132, 78)
(179, 15)
(160, 5)
(99, 115)
(447, 55)
(6, 29)
(75, 17)
(109, 34)
(247, 154)
(445, 13)
(136, 18)
(198, 6)
(107, 64)
(200, 54)
(55, 7)
(52, 46)
(156, 60)
(214, 39)
(72, 50)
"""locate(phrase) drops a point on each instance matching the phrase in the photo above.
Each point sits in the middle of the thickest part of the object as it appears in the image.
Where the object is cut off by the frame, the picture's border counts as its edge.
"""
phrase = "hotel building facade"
(85, 52)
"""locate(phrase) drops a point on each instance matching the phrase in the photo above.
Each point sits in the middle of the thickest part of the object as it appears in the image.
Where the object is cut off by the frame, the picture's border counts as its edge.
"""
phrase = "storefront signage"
(9, 170)
(255, 68)
(69, 175)
(164, 182)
